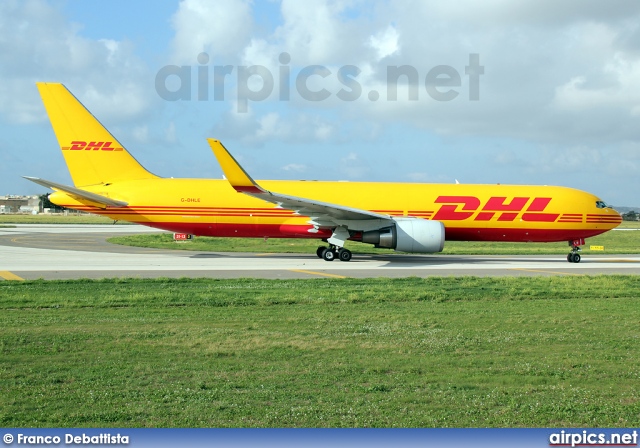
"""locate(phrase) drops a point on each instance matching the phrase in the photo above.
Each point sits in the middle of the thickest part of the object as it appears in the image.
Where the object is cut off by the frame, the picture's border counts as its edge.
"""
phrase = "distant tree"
(630, 216)
(46, 203)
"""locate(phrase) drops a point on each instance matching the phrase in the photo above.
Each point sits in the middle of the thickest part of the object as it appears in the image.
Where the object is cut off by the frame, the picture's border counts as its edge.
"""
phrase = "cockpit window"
(602, 204)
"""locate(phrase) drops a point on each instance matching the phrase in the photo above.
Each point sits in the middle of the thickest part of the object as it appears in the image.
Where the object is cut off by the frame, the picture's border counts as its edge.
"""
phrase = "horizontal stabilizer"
(76, 192)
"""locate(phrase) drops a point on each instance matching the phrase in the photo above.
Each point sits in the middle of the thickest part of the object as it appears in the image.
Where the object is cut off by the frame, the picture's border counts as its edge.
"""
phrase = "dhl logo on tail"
(91, 146)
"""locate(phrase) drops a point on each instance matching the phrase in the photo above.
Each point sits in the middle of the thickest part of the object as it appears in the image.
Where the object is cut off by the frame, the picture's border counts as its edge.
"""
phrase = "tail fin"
(92, 154)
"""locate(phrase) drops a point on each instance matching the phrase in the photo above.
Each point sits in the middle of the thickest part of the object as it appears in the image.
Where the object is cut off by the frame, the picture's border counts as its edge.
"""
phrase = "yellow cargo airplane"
(407, 217)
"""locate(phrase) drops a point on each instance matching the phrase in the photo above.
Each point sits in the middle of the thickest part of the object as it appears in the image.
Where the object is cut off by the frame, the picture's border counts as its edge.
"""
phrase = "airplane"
(406, 217)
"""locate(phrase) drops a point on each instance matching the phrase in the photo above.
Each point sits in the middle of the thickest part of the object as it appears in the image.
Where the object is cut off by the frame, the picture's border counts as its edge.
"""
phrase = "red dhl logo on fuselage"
(77, 145)
(460, 208)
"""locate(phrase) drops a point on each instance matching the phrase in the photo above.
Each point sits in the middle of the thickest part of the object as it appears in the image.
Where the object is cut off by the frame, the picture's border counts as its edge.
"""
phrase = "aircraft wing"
(77, 193)
(323, 214)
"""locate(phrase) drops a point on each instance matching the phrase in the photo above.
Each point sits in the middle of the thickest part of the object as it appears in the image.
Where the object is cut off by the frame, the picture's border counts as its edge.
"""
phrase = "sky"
(530, 92)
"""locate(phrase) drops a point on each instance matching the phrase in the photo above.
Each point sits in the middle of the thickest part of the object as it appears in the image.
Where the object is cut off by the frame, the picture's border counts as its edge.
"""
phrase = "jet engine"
(409, 235)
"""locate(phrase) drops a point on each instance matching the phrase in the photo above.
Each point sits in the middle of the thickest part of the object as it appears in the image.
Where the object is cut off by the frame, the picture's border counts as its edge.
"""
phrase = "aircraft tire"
(344, 255)
(319, 251)
(328, 254)
(573, 257)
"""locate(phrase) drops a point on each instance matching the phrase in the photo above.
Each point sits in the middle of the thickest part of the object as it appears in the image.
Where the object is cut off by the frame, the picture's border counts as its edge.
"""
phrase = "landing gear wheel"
(328, 254)
(320, 250)
(573, 257)
(344, 254)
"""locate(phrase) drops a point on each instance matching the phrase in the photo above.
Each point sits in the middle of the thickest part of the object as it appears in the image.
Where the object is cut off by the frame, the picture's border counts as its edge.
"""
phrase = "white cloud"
(353, 167)
(544, 13)
(622, 92)
(295, 167)
(260, 52)
(323, 131)
(37, 43)
(576, 156)
(170, 133)
(289, 126)
(420, 177)
(219, 28)
(270, 126)
(386, 42)
(311, 31)
(141, 134)
(559, 76)
(324, 32)
(556, 75)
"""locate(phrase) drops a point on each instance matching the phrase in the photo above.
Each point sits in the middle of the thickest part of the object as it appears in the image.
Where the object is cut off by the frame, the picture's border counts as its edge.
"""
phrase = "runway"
(34, 251)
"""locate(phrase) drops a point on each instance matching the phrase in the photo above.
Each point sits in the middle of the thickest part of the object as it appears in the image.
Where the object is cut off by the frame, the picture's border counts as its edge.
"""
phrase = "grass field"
(615, 242)
(457, 352)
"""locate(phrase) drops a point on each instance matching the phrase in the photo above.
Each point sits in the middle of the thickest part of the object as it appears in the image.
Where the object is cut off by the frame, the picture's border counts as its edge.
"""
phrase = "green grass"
(615, 242)
(213, 244)
(458, 352)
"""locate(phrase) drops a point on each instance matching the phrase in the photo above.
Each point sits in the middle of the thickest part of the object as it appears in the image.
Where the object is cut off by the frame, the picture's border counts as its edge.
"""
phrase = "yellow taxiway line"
(324, 274)
(545, 272)
(10, 276)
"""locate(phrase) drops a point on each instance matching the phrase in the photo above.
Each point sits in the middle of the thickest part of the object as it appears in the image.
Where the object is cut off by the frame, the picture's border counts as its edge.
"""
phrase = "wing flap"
(78, 193)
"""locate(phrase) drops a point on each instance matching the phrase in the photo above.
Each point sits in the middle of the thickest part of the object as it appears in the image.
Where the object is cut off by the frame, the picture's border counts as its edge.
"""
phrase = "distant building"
(20, 204)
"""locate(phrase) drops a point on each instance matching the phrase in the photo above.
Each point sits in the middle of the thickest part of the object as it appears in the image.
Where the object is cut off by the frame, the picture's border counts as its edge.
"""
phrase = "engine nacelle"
(409, 235)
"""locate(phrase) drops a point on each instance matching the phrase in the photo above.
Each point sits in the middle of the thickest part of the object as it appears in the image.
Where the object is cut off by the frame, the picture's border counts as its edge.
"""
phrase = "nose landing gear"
(574, 256)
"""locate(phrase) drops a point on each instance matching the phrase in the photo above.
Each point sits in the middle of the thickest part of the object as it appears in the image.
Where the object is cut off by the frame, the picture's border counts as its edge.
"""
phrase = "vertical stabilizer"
(92, 154)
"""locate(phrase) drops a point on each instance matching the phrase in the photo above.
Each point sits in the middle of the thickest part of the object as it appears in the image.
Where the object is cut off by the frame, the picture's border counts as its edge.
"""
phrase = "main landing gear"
(336, 246)
(332, 252)
(574, 256)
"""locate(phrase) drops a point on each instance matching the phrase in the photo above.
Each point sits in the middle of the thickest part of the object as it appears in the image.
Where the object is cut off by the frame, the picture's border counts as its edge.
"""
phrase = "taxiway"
(32, 251)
